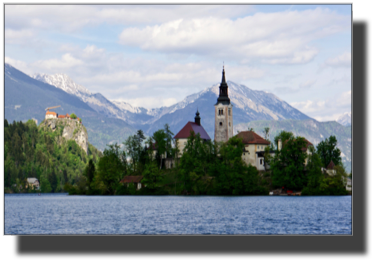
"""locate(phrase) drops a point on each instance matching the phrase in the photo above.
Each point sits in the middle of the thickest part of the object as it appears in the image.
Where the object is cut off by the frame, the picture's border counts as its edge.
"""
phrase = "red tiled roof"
(192, 126)
(61, 116)
(250, 137)
(52, 113)
(331, 165)
(131, 179)
(67, 116)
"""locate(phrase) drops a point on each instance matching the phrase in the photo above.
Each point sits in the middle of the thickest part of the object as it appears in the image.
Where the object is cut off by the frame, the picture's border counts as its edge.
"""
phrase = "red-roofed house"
(49, 114)
(135, 180)
(253, 152)
(182, 136)
(61, 116)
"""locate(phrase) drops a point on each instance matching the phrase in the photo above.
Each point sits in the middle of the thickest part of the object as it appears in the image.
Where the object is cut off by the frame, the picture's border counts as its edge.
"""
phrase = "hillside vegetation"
(30, 151)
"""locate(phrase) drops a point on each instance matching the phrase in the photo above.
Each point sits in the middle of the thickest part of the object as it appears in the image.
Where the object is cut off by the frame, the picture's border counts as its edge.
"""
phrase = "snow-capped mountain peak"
(345, 119)
(63, 82)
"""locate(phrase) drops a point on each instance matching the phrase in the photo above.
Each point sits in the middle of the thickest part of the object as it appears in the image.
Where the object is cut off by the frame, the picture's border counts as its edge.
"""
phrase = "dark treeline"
(205, 168)
(289, 170)
(45, 155)
(208, 168)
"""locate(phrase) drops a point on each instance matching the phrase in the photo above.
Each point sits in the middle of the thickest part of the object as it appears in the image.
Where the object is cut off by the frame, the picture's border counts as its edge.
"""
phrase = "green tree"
(288, 165)
(314, 174)
(328, 151)
(134, 147)
(112, 167)
(73, 116)
(195, 163)
(284, 136)
(90, 171)
(160, 138)
(52, 178)
(168, 140)
(44, 184)
(266, 133)
(151, 175)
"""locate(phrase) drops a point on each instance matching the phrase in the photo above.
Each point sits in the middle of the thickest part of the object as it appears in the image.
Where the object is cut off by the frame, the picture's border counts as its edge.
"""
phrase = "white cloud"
(343, 60)
(72, 18)
(326, 110)
(66, 62)
(19, 65)
(152, 102)
(18, 36)
(283, 39)
(307, 84)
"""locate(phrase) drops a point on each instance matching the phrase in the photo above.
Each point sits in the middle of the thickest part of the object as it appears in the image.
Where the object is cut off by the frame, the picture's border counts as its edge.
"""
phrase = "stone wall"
(224, 131)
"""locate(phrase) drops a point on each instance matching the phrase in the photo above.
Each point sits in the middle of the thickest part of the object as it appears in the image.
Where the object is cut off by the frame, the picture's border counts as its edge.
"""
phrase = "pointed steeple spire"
(223, 96)
(197, 117)
(223, 82)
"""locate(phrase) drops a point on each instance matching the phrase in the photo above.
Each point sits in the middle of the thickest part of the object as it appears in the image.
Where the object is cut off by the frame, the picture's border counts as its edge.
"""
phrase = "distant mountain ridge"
(27, 98)
(345, 119)
(248, 104)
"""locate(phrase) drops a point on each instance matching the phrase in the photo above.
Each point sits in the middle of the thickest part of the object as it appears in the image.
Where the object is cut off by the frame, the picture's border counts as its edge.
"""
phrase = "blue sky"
(155, 56)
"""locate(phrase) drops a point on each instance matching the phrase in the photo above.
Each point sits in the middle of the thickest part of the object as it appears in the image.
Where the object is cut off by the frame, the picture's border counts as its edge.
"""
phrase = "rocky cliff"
(70, 130)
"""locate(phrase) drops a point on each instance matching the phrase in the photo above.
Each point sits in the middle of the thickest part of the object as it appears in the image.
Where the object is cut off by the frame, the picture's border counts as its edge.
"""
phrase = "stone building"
(182, 136)
(253, 152)
(32, 183)
(223, 113)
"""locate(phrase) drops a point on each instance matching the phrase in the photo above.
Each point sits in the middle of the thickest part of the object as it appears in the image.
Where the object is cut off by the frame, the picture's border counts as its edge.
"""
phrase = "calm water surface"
(64, 214)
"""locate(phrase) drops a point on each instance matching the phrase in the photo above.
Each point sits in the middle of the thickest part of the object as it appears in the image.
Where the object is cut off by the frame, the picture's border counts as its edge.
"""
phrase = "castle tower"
(223, 113)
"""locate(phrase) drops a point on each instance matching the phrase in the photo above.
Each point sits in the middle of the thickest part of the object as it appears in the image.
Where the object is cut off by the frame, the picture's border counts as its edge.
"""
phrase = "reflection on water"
(63, 214)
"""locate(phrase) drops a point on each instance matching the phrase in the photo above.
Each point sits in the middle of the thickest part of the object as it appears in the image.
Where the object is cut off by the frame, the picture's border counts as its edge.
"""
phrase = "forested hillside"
(42, 154)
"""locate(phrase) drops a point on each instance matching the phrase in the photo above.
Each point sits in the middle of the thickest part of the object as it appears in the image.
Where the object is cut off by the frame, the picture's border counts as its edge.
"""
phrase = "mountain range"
(110, 121)
(27, 98)
(248, 105)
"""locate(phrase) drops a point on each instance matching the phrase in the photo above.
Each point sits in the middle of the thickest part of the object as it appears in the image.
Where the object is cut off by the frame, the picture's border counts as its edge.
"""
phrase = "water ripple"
(63, 214)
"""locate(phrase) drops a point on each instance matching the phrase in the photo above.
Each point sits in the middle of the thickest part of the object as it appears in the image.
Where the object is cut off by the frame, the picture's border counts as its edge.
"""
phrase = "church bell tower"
(223, 113)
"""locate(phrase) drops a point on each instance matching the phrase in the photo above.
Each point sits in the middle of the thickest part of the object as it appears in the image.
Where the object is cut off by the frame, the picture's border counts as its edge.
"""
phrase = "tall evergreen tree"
(328, 151)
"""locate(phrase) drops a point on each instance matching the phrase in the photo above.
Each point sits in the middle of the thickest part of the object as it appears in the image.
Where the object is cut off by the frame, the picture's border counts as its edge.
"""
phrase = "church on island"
(253, 152)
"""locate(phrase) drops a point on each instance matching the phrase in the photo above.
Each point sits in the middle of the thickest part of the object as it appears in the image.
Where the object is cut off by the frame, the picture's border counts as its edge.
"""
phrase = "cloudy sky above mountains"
(155, 55)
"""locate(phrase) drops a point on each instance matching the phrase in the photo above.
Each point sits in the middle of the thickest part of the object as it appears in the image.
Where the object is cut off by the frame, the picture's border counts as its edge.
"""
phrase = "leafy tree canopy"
(328, 151)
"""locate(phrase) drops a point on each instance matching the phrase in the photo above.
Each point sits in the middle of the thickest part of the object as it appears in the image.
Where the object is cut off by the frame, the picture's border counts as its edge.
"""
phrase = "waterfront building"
(135, 180)
(223, 113)
(32, 183)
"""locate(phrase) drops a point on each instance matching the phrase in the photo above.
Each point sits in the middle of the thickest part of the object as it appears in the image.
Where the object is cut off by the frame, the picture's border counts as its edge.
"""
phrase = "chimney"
(279, 145)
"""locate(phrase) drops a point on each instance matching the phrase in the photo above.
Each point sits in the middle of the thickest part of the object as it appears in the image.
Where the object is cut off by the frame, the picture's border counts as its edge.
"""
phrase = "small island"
(57, 157)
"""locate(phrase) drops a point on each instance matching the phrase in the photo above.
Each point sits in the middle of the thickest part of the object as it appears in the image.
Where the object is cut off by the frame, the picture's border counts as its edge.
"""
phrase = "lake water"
(64, 214)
